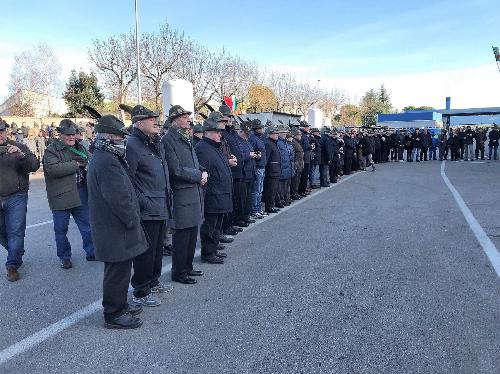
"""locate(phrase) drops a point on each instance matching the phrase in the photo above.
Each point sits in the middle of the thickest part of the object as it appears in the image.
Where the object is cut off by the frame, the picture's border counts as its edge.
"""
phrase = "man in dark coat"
(327, 153)
(299, 163)
(187, 178)
(425, 143)
(480, 139)
(149, 172)
(307, 148)
(16, 162)
(334, 166)
(218, 191)
(493, 138)
(273, 170)
(115, 221)
(65, 169)
(232, 139)
(349, 150)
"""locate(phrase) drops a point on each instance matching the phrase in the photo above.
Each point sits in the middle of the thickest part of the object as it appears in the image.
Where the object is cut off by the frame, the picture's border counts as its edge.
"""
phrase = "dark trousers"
(246, 189)
(238, 203)
(115, 288)
(147, 266)
(333, 171)
(324, 175)
(270, 191)
(479, 149)
(183, 248)
(209, 234)
(304, 178)
(423, 153)
(280, 195)
(294, 185)
(347, 164)
(401, 149)
(455, 153)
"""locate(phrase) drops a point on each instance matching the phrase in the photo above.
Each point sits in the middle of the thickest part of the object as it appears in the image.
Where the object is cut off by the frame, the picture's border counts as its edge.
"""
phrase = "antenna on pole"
(139, 96)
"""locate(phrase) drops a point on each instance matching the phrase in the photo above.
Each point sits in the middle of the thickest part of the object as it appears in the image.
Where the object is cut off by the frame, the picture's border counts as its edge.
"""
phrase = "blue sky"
(335, 41)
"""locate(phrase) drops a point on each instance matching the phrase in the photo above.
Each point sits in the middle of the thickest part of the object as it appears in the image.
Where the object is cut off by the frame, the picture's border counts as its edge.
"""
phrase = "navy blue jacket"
(257, 142)
(327, 149)
(286, 166)
(306, 147)
(149, 172)
(248, 162)
(219, 188)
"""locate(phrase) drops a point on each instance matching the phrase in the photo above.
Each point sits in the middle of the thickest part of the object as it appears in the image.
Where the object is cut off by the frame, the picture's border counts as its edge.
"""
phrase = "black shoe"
(231, 232)
(195, 273)
(134, 309)
(90, 258)
(249, 220)
(185, 280)
(221, 255)
(272, 210)
(66, 264)
(281, 206)
(226, 238)
(213, 260)
(124, 322)
(239, 229)
(315, 187)
(241, 224)
(221, 247)
(167, 250)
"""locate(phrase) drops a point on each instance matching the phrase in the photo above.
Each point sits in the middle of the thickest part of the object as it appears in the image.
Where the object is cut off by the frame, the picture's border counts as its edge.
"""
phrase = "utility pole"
(139, 96)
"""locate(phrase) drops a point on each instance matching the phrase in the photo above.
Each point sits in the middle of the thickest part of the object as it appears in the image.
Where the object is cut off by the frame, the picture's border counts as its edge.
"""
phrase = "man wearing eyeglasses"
(148, 171)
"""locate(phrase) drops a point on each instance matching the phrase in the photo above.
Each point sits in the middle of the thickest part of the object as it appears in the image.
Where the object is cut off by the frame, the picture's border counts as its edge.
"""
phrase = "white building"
(43, 105)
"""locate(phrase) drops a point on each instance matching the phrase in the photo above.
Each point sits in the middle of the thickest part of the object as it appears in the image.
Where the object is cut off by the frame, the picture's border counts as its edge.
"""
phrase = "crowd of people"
(139, 193)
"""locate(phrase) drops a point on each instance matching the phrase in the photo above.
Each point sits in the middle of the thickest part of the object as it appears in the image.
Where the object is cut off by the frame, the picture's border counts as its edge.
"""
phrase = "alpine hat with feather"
(108, 124)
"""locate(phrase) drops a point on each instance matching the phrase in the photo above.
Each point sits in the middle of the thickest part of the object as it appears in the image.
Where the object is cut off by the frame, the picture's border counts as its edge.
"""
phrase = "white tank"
(315, 118)
(327, 122)
(177, 92)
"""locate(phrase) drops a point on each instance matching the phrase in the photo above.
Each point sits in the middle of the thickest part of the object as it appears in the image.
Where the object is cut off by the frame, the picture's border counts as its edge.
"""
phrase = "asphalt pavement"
(379, 274)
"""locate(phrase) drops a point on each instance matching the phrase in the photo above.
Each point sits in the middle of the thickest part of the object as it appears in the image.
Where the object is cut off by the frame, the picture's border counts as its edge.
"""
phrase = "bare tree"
(35, 76)
(196, 67)
(160, 53)
(283, 85)
(331, 101)
(115, 60)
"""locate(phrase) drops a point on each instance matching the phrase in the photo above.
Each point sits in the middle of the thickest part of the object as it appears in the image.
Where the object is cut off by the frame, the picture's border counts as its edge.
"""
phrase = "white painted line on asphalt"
(61, 325)
(39, 224)
(481, 236)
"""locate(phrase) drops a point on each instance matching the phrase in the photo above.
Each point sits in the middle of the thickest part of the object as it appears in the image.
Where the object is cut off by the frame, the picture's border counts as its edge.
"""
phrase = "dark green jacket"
(60, 168)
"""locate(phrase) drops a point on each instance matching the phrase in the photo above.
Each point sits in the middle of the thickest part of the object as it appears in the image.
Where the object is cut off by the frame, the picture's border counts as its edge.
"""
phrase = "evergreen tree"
(82, 89)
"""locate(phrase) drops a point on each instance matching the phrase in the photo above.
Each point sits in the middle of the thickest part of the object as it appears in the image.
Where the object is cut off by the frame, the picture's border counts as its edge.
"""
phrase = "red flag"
(229, 101)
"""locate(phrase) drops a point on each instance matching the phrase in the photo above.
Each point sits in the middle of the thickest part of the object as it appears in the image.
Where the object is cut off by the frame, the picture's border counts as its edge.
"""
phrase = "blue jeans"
(432, 153)
(13, 227)
(492, 148)
(314, 175)
(256, 194)
(61, 222)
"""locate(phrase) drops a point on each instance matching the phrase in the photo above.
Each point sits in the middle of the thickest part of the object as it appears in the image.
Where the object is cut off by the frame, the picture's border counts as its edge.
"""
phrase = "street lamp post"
(139, 96)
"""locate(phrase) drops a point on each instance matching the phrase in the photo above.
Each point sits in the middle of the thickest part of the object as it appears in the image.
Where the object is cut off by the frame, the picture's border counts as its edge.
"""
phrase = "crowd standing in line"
(141, 193)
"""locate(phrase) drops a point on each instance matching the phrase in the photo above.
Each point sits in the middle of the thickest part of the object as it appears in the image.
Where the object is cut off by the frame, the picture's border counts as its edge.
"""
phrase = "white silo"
(177, 92)
(315, 117)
